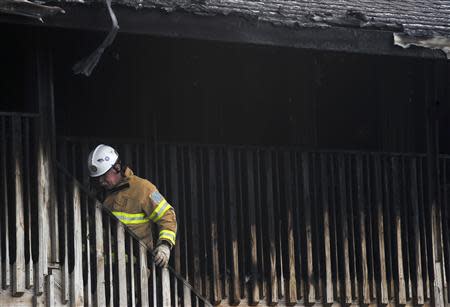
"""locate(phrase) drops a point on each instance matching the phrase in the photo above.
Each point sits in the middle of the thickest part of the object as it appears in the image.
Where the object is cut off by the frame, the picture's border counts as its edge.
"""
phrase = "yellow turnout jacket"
(136, 202)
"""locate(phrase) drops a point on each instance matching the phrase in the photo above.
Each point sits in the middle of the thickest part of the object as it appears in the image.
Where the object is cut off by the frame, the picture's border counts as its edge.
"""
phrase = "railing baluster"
(18, 266)
(99, 293)
(352, 223)
(204, 223)
(28, 178)
(4, 216)
(371, 225)
(387, 183)
(362, 230)
(175, 197)
(328, 297)
(194, 223)
(43, 175)
(233, 237)
(131, 289)
(335, 230)
(416, 227)
(401, 295)
(241, 211)
(121, 281)
(310, 296)
(110, 291)
(212, 188)
(380, 231)
(344, 230)
(165, 288)
(63, 217)
(86, 231)
(184, 238)
(143, 275)
(260, 221)
(50, 293)
(406, 235)
(316, 225)
(423, 228)
(271, 245)
(154, 286)
(76, 276)
(288, 231)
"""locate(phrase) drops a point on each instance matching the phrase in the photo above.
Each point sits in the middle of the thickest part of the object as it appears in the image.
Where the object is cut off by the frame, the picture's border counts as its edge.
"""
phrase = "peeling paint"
(434, 42)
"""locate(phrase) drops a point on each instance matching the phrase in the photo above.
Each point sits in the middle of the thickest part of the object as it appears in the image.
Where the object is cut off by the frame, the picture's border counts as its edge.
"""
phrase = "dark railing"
(289, 226)
(257, 225)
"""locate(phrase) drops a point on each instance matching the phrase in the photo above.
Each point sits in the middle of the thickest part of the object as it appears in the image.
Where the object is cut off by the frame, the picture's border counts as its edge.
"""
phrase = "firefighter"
(136, 202)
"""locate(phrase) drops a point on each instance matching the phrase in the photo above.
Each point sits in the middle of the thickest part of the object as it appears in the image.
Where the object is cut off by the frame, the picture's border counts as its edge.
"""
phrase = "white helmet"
(101, 159)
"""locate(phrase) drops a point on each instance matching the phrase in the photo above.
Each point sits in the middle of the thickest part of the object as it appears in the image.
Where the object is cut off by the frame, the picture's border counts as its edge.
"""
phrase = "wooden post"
(76, 277)
(143, 275)
(401, 291)
(416, 226)
(291, 288)
(347, 299)
(47, 211)
(47, 149)
(18, 266)
(99, 294)
(235, 287)
(273, 290)
(86, 229)
(50, 293)
(28, 179)
(194, 239)
(383, 287)
(4, 215)
(335, 230)
(364, 284)
(212, 188)
(329, 296)
(109, 291)
(41, 267)
(176, 203)
(131, 259)
(165, 287)
(121, 282)
(63, 201)
(310, 296)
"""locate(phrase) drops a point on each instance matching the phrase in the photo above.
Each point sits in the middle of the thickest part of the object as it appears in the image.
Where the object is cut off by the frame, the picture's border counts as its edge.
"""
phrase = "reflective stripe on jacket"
(138, 203)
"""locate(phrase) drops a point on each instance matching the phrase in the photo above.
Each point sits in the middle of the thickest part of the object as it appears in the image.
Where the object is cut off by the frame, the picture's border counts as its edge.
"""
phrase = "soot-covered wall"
(210, 92)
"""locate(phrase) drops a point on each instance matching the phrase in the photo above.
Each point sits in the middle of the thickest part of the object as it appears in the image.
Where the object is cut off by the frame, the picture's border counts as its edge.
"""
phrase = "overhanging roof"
(346, 25)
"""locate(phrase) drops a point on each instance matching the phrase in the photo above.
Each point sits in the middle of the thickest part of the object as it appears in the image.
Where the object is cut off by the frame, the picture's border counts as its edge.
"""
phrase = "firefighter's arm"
(162, 214)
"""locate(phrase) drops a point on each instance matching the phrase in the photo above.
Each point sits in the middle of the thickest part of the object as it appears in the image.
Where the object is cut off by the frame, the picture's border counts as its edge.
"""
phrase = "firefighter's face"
(110, 179)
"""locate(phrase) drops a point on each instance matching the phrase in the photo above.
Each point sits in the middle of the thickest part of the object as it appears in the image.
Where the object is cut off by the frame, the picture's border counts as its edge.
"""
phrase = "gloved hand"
(162, 255)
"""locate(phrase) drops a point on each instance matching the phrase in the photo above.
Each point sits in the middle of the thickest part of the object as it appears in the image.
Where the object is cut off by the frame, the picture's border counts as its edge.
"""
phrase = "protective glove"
(162, 255)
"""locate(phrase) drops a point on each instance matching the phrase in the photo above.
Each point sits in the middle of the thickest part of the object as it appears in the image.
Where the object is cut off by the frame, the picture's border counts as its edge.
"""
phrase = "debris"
(433, 42)
(87, 65)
